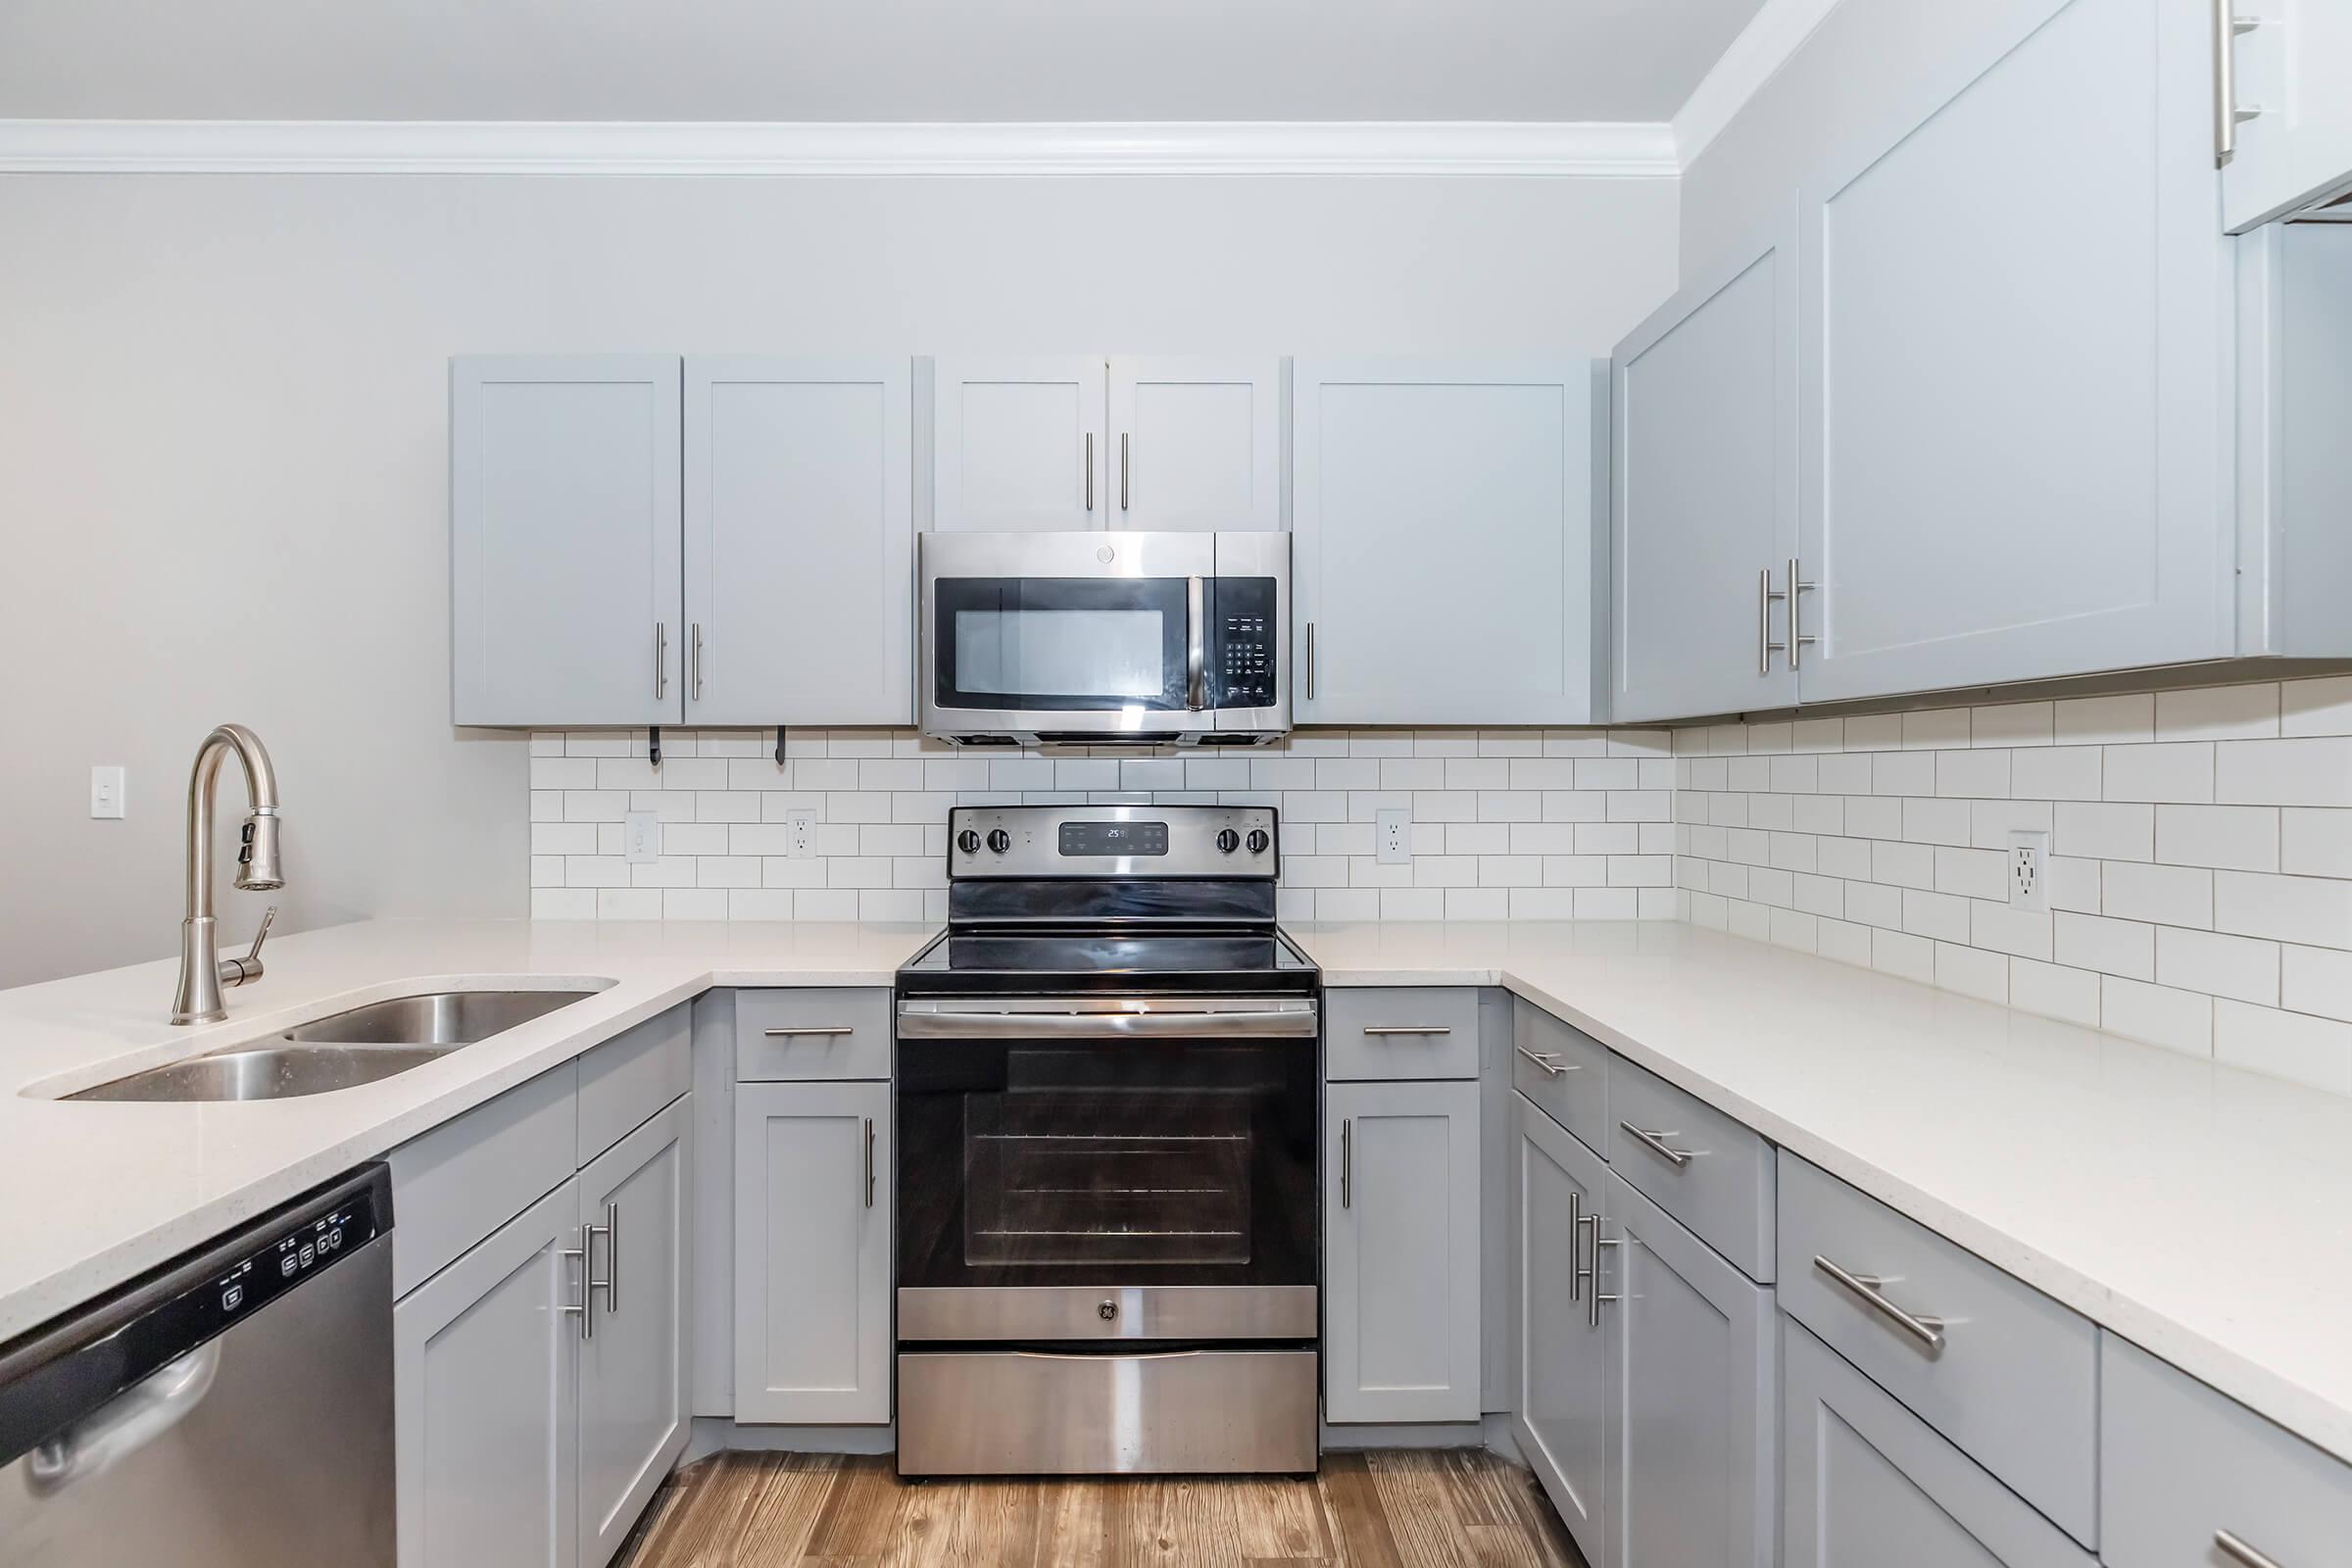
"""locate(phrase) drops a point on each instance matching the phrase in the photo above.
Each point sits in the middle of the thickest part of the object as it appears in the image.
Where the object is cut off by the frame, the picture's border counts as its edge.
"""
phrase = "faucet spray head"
(257, 851)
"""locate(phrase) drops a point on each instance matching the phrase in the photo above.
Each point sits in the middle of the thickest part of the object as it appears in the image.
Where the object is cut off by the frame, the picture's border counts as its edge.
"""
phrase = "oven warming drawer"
(1027, 1412)
(1108, 1313)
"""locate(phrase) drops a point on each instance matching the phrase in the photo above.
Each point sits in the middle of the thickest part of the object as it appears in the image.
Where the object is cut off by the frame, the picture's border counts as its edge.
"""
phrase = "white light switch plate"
(106, 792)
(641, 838)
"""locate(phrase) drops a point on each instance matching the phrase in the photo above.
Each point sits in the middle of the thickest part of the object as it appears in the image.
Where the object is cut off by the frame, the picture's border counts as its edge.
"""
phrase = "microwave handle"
(1196, 657)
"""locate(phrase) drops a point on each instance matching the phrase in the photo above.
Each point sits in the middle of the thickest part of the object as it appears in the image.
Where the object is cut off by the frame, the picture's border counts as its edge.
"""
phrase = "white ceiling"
(860, 60)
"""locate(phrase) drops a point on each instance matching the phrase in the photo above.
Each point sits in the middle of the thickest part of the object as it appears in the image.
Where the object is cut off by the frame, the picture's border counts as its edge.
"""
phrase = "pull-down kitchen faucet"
(202, 969)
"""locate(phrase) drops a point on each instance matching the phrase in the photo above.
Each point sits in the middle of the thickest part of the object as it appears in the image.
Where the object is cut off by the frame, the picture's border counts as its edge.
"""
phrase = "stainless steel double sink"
(359, 1046)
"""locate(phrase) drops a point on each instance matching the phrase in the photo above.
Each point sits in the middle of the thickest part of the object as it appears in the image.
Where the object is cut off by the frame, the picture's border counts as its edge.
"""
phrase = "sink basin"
(342, 1050)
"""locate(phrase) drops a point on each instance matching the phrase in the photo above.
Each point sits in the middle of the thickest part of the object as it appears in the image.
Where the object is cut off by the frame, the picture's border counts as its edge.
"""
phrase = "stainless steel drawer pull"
(1578, 1219)
(869, 1162)
(611, 1283)
(1311, 660)
(1090, 471)
(1765, 646)
(1407, 1029)
(811, 1029)
(1597, 1300)
(1655, 1143)
(660, 658)
(1347, 1162)
(1869, 1289)
(1122, 470)
(1549, 1062)
(695, 663)
(2238, 1552)
(1797, 639)
(586, 1310)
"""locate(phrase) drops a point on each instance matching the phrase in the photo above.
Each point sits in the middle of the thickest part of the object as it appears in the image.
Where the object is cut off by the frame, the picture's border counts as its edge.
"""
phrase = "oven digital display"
(1115, 838)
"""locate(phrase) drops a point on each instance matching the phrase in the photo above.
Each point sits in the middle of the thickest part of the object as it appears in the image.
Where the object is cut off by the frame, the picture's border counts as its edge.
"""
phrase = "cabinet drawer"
(2005, 1372)
(822, 1033)
(466, 1178)
(632, 1075)
(1865, 1481)
(1694, 1161)
(1563, 1070)
(1412, 1032)
(2183, 1467)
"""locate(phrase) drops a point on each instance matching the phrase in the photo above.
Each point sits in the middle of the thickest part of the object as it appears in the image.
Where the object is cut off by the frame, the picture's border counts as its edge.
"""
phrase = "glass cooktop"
(1099, 957)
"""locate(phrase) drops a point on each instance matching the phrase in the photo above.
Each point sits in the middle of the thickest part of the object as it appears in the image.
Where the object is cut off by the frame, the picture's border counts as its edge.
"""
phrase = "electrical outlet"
(2029, 871)
(1392, 837)
(106, 792)
(800, 841)
(641, 838)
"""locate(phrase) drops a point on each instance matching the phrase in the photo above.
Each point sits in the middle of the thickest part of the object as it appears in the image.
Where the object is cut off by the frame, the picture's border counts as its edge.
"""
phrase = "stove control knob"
(968, 842)
(1259, 840)
(1106, 1311)
(999, 841)
(1228, 841)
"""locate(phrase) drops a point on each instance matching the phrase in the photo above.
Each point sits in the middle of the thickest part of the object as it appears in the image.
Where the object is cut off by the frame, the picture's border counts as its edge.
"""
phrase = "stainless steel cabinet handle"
(695, 662)
(1409, 1029)
(586, 1310)
(1551, 1062)
(660, 658)
(1196, 657)
(869, 1162)
(2238, 1552)
(611, 1283)
(1797, 637)
(811, 1029)
(1090, 471)
(2227, 116)
(1311, 660)
(1347, 1162)
(1765, 646)
(1869, 1289)
(1122, 470)
(1655, 1143)
(1598, 1299)
(1578, 1219)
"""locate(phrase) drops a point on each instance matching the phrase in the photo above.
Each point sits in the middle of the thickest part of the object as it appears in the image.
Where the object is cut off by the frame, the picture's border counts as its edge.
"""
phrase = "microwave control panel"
(1246, 665)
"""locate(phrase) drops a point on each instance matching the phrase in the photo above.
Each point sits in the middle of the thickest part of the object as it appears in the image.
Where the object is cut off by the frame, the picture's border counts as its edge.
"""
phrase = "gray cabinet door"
(2013, 316)
(1400, 1252)
(1692, 1412)
(563, 540)
(485, 1378)
(1566, 1359)
(633, 1403)
(812, 1197)
(1018, 444)
(1704, 511)
(2299, 146)
(800, 541)
(1443, 514)
(1195, 444)
(1865, 1481)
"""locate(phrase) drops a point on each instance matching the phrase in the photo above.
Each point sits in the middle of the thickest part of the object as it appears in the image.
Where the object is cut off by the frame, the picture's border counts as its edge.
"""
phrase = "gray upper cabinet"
(1703, 519)
(812, 1205)
(1020, 443)
(565, 540)
(2013, 320)
(1567, 1351)
(1444, 556)
(1195, 444)
(2290, 72)
(634, 1418)
(1401, 1309)
(485, 1388)
(798, 541)
(1692, 1408)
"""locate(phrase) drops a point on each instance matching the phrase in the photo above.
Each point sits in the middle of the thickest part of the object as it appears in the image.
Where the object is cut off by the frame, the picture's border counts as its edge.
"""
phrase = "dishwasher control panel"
(278, 1265)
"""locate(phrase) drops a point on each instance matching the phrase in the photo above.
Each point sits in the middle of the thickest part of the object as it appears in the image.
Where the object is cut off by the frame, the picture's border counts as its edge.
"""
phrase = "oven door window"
(1061, 644)
(1070, 1164)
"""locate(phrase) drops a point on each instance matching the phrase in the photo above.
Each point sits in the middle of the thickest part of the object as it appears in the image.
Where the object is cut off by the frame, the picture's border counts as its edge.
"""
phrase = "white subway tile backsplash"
(2284, 1045)
(2314, 771)
(2162, 895)
(2158, 1014)
(2242, 838)
(2317, 911)
(2321, 707)
(2181, 772)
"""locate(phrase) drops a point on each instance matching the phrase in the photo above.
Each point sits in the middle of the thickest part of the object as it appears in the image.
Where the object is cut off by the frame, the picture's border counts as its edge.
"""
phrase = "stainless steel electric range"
(1107, 1144)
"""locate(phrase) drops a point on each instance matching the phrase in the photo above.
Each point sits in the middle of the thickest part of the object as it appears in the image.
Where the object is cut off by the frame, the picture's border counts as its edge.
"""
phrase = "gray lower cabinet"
(1560, 1416)
(1691, 1407)
(1868, 1481)
(812, 1252)
(486, 1391)
(1400, 1220)
(633, 1415)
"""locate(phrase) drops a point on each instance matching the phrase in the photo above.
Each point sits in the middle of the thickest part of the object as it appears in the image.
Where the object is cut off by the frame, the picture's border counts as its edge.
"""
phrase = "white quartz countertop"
(2202, 1213)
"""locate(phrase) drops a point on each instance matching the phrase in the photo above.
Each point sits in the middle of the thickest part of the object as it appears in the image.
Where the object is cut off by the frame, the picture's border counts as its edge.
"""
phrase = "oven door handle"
(1061, 1021)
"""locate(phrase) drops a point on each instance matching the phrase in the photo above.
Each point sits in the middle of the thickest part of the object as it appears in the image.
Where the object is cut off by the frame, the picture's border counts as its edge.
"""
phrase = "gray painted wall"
(224, 454)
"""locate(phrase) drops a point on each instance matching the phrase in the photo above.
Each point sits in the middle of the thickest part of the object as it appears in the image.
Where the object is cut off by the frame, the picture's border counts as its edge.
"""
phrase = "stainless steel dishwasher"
(234, 1407)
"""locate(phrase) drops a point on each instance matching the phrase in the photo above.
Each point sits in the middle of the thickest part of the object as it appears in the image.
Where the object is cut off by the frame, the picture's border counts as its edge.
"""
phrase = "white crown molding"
(1590, 150)
(1771, 37)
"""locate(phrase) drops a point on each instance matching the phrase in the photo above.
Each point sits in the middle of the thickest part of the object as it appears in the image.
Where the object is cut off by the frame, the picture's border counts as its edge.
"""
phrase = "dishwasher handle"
(125, 1424)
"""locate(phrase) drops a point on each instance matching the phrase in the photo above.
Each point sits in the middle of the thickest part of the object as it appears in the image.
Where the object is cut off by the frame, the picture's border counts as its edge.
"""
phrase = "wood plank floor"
(1449, 1508)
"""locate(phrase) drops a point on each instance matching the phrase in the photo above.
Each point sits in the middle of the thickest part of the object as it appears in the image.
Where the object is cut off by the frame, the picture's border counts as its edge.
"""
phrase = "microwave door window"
(1061, 644)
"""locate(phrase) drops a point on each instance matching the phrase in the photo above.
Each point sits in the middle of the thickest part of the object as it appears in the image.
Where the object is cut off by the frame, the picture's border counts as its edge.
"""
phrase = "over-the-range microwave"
(1105, 638)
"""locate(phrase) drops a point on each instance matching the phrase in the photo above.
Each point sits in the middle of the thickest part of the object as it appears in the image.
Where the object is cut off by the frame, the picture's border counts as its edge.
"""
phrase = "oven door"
(1084, 1170)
